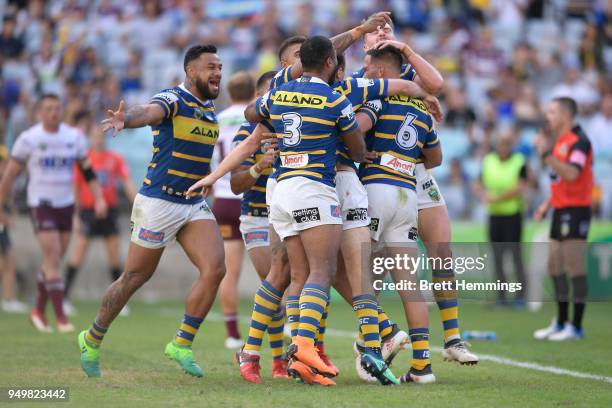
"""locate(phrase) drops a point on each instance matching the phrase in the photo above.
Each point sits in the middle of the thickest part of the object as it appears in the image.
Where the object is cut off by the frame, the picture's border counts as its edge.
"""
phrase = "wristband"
(253, 171)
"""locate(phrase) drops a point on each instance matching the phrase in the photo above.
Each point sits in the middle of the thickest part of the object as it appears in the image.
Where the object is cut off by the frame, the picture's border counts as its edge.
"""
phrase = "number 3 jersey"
(183, 145)
(308, 116)
(401, 127)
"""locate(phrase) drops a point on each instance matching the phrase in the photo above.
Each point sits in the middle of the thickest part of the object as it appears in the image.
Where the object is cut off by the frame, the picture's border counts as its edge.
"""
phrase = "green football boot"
(377, 368)
(183, 355)
(90, 356)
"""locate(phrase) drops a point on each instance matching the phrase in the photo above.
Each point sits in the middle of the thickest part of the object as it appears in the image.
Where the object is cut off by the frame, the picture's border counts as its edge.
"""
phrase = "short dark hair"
(568, 104)
(341, 61)
(314, 51)
(296, 39)
(195, 52)
(48, 96)
(241, 86)
(265, 77)
(389, 54)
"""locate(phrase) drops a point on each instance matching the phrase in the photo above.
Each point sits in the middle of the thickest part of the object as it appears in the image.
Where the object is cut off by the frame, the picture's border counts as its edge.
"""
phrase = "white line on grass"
(483, 357)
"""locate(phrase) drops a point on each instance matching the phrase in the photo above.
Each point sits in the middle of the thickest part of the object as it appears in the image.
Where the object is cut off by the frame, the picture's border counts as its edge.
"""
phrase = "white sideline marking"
(483, 357)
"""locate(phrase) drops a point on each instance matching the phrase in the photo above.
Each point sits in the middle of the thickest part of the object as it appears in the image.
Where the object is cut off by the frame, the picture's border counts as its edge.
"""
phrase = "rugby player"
(433, 220)
(568, 153)
(185, 130)
(226, 204)
(400, 131)
(49, 150)
(111, 169)
(357, 91)
(305, 210)
(250, 179)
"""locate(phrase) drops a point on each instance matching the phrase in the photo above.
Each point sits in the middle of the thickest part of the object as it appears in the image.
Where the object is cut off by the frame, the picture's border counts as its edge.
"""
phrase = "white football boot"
(545, 333)
(459, 352)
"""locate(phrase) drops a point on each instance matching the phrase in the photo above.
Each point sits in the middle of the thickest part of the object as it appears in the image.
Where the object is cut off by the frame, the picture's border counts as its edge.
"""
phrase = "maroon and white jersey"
(230, 120)
(49, 158)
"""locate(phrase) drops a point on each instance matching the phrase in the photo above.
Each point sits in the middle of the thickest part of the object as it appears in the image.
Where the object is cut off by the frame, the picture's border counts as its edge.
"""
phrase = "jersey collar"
(315, 79)
(182, 86)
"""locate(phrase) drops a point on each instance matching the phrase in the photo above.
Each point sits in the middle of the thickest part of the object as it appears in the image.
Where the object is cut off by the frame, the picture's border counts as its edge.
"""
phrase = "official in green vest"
(502, 185)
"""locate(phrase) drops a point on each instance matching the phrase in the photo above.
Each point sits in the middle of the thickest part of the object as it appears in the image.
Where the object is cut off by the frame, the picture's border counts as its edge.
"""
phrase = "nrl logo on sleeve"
(287, 98)
(306, 215)
(375, 105)
(364, 82)
(348, 112)
(167, 96)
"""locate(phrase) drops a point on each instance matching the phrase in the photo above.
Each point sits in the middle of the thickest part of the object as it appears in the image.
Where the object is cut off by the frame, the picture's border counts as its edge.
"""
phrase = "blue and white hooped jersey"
(183, 145)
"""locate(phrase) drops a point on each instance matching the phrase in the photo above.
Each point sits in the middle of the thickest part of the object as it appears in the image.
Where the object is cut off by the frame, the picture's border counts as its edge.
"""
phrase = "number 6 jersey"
(401, 127)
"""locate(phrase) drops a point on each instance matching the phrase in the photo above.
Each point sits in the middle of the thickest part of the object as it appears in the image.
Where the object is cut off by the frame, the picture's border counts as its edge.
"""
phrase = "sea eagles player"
(49, 150)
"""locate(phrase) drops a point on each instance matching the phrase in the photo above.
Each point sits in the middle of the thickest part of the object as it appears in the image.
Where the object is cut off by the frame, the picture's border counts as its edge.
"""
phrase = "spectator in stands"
(502, 185)
(11, 44)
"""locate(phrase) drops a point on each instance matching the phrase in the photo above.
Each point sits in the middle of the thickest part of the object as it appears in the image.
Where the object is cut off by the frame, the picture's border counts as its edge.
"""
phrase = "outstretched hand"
(115, 120)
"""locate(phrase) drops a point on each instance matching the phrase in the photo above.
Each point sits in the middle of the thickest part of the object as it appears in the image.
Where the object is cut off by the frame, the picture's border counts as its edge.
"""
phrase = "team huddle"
(333, 170)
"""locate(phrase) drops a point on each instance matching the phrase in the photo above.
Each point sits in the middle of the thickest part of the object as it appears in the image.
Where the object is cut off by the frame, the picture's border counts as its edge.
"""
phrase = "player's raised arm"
(233, 160)
(427, 75)
(414, 90)
(135, 117)
(344, 40)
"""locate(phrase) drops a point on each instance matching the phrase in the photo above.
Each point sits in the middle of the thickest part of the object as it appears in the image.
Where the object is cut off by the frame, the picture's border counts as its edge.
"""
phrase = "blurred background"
(502, 60)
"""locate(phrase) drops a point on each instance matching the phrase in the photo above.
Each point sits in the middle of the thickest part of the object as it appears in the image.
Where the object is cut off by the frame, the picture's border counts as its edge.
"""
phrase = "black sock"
(562, 297)
(578, 313)
(115, 273)
(562, 313)
(71, 272)
(579, 284)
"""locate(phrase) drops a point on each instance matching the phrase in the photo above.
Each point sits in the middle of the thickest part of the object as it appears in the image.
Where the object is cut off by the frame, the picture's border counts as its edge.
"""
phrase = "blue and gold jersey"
(402, 127)
(406, 72)
(282, 77)
(254, 200)
(308, 115)
(182, 145)
(358, 91)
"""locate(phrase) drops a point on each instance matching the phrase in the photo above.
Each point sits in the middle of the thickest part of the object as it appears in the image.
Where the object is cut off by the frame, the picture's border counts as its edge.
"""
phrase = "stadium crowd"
(95, 53)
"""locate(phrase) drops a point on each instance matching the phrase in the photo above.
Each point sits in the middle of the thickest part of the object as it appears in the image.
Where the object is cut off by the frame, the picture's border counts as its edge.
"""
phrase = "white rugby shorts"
(255, 231)
(394, 213)
(353, 200)
(155, 222)
(428, 192)
(299, 203)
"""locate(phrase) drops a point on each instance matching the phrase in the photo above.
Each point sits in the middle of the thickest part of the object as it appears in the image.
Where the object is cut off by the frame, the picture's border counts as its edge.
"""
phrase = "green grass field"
(136, 373)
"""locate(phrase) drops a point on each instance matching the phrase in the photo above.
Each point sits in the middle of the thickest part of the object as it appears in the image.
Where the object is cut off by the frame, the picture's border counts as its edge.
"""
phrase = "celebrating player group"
(332, 170)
